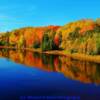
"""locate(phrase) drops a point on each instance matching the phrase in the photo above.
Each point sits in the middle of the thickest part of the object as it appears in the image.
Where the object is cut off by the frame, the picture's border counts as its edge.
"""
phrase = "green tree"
(46, 43)
(7, 38)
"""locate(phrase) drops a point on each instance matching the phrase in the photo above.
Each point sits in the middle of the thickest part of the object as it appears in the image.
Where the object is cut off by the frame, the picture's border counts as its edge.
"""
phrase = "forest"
(82, 36)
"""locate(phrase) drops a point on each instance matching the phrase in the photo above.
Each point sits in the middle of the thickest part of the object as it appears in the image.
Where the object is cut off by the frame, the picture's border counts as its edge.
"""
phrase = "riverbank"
(77, 56)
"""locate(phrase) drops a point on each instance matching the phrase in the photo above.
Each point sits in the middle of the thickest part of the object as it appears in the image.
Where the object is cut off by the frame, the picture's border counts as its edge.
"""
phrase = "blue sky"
(22, 13)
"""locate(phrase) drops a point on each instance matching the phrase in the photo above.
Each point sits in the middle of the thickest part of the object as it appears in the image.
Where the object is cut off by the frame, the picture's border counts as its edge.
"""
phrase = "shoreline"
(77, 56)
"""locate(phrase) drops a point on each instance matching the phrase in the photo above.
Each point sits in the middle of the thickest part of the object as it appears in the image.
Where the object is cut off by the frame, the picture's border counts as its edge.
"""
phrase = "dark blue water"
(19, 80)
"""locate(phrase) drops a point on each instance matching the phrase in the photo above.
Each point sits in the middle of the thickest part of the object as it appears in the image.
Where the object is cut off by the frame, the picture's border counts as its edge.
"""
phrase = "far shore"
(77, 56)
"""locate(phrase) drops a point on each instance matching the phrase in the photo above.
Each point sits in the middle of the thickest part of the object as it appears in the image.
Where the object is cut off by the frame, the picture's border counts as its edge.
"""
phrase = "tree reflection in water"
(86, 72)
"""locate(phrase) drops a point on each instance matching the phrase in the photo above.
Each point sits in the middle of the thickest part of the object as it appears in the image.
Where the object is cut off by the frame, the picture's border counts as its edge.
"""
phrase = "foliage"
(46, 43)
(2, 43)
(49, 41)
(36, 44)
(75, 34)
(98, 21)
(97, 29)
(81, 36)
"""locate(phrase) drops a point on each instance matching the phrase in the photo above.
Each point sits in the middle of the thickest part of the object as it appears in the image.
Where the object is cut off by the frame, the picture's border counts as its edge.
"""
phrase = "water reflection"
(86, 72)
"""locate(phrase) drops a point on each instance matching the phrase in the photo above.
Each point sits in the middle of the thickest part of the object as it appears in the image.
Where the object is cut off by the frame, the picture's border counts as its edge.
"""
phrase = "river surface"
(25, 73)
